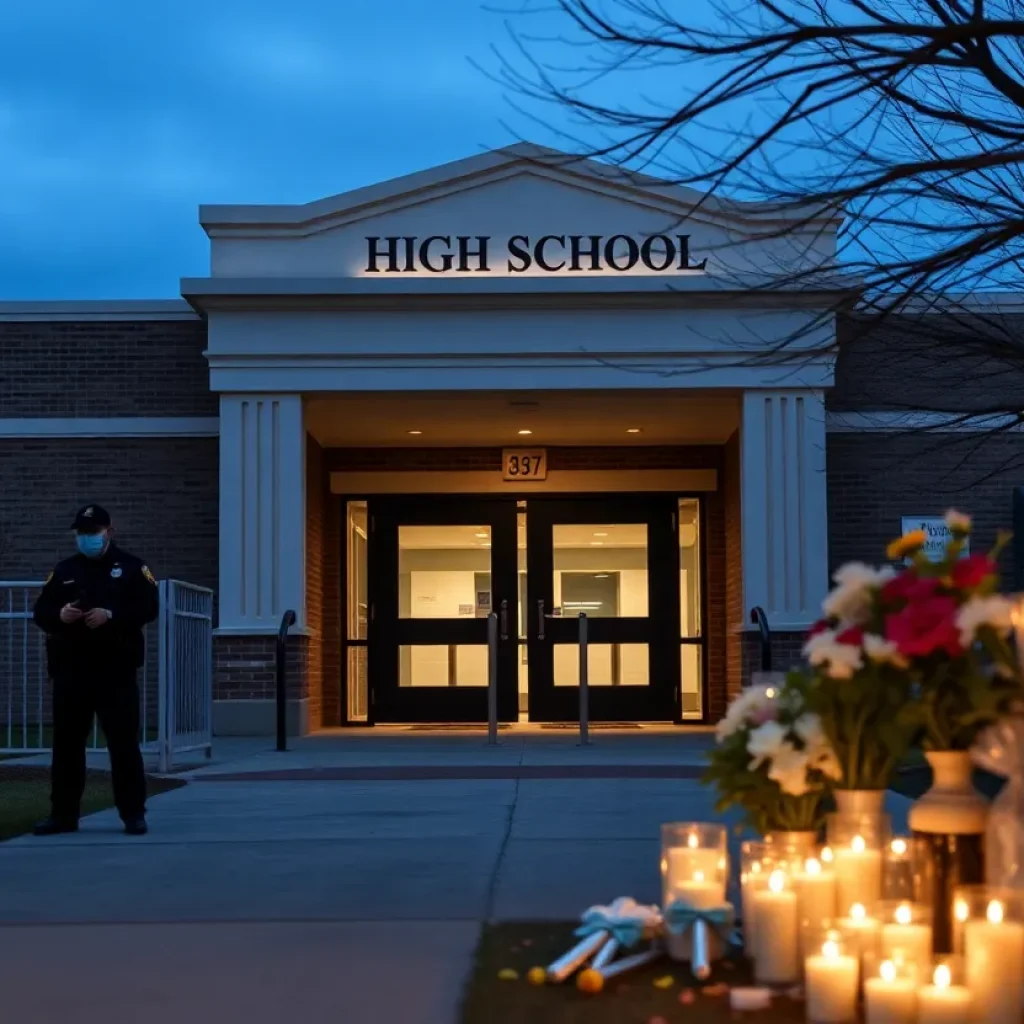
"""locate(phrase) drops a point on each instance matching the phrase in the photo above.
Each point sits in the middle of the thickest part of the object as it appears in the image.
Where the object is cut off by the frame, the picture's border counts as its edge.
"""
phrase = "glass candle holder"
(906, 931)
(890, 990)
(777, 934)
(831, 979)
(856, 842)
(900, 870)
(943, 997)
(992, 940)
(754, 871)
(694, 869)
(815, 883)
(860, 930)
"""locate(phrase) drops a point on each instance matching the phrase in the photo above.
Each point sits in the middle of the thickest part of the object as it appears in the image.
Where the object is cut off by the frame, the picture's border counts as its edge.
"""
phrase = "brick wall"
(315, 578)
(331, 622)
(787, 651)
(161, 494)
(875, 478)
(117, 368)
(245, 667)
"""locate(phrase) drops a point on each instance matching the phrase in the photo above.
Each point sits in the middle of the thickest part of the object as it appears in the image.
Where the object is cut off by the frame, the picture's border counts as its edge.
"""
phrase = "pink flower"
(854, 636)
(926, 627)
(971, 572)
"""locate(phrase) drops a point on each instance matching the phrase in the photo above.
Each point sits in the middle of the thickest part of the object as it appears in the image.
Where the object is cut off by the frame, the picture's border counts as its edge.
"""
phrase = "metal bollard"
(492, 679)
(584, 691)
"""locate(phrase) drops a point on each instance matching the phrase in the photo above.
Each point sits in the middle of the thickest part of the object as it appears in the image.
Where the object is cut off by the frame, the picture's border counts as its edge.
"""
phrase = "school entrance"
(433, 567)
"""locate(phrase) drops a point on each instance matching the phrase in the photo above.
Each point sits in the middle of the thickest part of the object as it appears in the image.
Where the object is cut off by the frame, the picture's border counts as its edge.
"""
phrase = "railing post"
(163, 688)
(287, 620)
(584, 689)
(492, 679)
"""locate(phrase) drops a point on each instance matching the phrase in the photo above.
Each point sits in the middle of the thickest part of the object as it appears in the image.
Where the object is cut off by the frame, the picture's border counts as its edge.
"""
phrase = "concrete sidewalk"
(353, 901)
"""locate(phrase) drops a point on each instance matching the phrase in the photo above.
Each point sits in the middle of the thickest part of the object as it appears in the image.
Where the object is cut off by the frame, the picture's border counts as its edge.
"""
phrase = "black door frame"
(509, 651)
(387, 633)
(660, 699)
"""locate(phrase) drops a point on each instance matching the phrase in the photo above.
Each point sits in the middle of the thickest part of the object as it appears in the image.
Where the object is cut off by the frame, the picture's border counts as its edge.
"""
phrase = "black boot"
(135, 825)
(53, 826)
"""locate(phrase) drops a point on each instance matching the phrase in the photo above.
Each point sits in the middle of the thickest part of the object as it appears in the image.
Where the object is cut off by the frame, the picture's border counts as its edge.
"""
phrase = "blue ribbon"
(681, 916)
(626, 931)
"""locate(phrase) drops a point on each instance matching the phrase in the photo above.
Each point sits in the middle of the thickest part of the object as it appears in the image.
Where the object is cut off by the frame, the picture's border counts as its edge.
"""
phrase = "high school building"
(512, 384)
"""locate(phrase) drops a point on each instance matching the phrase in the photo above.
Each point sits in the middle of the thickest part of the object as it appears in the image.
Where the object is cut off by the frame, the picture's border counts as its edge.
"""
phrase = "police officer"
(92, 609)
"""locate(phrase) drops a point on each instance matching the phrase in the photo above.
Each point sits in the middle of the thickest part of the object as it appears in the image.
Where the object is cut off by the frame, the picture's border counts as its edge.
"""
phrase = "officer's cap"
(91, 517)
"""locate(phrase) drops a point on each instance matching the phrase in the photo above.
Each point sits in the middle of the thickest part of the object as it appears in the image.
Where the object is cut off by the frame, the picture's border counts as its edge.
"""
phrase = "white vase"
(948, 823)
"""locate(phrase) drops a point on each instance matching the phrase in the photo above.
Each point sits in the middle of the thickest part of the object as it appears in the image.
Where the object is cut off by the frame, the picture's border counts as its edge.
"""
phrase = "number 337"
(525, 466)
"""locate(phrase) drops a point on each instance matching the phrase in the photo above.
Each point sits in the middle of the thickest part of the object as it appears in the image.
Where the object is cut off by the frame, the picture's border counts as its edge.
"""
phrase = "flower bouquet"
(772, 760)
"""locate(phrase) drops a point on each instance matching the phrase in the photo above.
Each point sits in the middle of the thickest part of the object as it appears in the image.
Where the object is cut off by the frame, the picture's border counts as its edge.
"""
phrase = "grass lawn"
(631, 999)
(25, 795)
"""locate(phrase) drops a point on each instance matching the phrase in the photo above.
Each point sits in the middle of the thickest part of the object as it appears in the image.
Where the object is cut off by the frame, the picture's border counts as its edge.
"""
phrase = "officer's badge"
(149, 576)
(116, 572)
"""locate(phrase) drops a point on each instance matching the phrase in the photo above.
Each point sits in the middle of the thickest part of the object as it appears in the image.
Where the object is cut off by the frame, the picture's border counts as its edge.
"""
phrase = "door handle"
(503, 619)
(540, 618)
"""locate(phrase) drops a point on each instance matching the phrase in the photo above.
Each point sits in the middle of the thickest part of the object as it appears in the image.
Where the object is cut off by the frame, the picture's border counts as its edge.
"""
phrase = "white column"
(262, 512)
(784, 510)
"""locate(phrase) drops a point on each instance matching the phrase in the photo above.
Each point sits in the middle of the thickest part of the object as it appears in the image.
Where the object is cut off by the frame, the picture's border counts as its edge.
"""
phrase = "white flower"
(808, 728)
(825, 760)
(958, 522)
(817, 749)
(840, 660)
(765, 742)
(880, 650)
(856, 583)
(754, 704)
(789, 769)
(995, 612)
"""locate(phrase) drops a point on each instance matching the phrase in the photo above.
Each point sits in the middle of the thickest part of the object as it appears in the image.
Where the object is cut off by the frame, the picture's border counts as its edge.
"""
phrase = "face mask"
(91, 544)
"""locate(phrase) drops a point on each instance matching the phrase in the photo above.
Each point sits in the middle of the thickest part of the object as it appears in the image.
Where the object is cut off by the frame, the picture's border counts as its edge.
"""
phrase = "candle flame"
(770, 693)
(777, 881)
(812, 866)
(664, 865)
(904, 915)
(755, 868)
(692, 841)
(961, 910)
(857, 844)
(857, 912)
(887, 970)
(826, 854)
(995, 912)
(830, 949)
(898, 846)
(698, 876)
(942, 977)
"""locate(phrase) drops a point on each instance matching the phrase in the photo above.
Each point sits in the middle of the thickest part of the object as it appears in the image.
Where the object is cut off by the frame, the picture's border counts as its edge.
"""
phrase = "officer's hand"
(70, 614)
(96, 617)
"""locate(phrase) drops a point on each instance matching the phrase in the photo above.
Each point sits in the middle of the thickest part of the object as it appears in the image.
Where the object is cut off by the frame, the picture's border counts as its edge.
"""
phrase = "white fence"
(175, 682)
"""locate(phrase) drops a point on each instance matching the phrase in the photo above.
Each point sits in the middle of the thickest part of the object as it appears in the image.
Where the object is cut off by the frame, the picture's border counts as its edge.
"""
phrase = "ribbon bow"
(625, 921)
(681, 916)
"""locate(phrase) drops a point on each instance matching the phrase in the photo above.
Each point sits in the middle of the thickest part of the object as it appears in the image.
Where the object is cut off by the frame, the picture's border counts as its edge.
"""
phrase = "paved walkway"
(349, 900)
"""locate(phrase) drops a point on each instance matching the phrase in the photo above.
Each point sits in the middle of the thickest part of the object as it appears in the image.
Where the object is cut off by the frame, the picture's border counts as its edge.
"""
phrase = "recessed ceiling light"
(600, 575)
(596, 543)
(525, 432)
(482, 536)
(415, 433)
(634, 430)
(600, 533)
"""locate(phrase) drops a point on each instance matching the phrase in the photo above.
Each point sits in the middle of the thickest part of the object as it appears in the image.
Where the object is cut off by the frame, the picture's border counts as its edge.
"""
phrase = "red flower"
(819, 627)
(908, 586)
(971, 572)
(854, 636)
(925, 626)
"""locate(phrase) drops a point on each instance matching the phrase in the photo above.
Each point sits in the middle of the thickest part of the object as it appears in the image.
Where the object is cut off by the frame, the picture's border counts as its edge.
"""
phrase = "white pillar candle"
(750, 883)
(906, 940)
(943, 1003)
(776, 950)
(860, 930)
(816, 896)
(830, 986)
(994, 954)
(889, 999)
(701, 895)
(858, 874)
(684, 862)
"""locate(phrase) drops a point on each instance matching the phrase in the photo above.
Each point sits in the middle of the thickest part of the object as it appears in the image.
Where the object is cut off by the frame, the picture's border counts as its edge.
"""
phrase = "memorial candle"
(816, 896)
(858, 873)
(943, 1002)
(889, 998)
(994, 954)
(907, 934)
(776, 950)
(830, 985)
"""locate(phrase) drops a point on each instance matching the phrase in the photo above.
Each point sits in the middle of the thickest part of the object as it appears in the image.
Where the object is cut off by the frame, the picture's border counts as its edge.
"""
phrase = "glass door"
(617, 560)
(437, 568)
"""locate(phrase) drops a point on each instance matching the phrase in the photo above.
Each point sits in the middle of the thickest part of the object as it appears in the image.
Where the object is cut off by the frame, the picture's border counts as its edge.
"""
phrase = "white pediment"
(521, 213)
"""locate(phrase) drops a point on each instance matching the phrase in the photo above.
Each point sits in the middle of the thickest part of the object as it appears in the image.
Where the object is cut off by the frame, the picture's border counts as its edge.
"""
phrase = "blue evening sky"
(118, 118)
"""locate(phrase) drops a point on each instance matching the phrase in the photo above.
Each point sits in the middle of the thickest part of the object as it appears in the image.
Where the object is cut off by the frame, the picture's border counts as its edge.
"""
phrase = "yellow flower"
(508, 974)
(537, 976)
(906, 545)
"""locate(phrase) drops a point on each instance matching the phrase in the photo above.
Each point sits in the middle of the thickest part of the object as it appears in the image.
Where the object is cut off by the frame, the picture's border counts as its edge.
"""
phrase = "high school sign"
(517, 254)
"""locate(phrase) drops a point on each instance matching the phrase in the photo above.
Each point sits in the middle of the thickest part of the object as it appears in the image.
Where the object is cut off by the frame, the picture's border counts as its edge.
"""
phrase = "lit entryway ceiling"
(502, 419)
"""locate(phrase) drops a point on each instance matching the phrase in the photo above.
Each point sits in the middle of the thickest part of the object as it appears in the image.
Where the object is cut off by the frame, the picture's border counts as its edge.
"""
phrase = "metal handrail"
(287, 621)
(584, 683)
(760, 619)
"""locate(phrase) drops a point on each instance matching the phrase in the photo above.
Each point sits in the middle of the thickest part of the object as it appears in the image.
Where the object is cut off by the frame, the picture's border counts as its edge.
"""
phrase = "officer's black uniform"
(93, 672)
